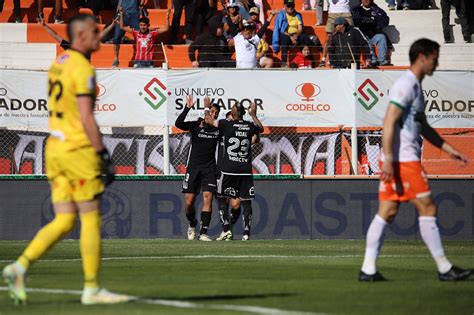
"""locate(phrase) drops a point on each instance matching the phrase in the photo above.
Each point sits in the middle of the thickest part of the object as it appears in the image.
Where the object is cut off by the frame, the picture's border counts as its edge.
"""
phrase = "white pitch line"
(243, 257)
(185, 304)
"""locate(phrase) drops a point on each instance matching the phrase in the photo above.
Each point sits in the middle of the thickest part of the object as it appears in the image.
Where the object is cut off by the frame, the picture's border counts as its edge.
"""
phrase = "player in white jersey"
(403, 178)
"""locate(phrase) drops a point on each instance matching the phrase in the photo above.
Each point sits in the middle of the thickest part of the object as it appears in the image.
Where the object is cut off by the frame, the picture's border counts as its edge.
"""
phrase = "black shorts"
(199, 179)
(236, 186)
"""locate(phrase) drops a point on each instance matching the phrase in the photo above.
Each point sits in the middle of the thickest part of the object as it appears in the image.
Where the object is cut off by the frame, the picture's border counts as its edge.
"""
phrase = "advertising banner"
(290, 209)
(125, 98)
(131, 98)
(449, 97)
(289, 98)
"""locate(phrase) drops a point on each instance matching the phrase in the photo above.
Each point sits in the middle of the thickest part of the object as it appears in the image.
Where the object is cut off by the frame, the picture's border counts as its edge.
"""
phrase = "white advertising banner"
(126, 98)
(449, 97)
(151, 97)
(283, 98)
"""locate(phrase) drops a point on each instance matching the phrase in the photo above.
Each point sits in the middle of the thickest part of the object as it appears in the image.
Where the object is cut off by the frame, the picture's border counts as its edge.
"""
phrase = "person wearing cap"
(262, 49)
(232, 20)
(256, 17)
(346, 45)
(371, 20)
(258, 10)
(288, 31)
(246, 43)
(337, 8)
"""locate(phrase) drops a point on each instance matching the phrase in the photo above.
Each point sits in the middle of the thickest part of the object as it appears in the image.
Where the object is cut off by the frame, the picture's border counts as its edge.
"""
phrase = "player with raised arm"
(403, 178)
(236, 181)
(200, 167)
(75, 159)
(227, 221)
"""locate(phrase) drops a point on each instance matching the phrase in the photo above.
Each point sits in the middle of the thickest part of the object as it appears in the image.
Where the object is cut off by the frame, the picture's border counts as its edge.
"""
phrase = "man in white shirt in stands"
(246, 43)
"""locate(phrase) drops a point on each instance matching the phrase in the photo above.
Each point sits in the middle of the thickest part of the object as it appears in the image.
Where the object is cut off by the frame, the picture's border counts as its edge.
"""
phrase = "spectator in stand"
(145, 39)
(212, 48)
(346, 45)
(246, 43)
(318, 6)
(302, 59)
(57, 11)
(371, 20)
(288, 31)
(337, 8)
(16, 9)
(204, 11)
(189, 7)
(94, 5)
(66, 44)
(130, 11)
(245, 6)
(460, 6)
(254, 14)
(401, 5)
(262, 49)
(231, 20)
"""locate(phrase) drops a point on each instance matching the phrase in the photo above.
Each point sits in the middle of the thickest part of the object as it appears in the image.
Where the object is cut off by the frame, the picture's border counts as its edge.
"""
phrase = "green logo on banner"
(368, 94)
(156, 93)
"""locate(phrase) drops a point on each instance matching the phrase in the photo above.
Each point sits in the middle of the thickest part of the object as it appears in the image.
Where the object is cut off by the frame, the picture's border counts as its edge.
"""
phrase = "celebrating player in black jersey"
(200, 167)
(236, 180)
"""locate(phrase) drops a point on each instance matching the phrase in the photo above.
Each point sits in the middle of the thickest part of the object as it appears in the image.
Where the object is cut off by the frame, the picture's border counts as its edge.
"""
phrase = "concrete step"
(19, 55)
(452, 56)
(13, 33)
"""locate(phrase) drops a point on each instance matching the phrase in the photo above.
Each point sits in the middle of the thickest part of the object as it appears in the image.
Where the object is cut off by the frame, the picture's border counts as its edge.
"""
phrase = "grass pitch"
(256, 277)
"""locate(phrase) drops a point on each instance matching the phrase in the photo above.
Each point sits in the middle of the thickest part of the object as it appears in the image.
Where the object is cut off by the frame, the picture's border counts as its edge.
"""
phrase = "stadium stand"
(19, 41)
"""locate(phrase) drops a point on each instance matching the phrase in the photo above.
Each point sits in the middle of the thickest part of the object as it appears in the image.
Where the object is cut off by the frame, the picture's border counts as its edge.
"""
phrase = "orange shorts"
(409, 182)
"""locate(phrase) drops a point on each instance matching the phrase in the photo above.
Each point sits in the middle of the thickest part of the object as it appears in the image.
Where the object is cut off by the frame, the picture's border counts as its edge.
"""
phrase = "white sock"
(375, 235)
(430, 235)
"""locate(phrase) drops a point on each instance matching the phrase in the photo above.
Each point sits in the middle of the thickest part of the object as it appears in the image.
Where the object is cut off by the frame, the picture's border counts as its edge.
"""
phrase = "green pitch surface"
(256, 277)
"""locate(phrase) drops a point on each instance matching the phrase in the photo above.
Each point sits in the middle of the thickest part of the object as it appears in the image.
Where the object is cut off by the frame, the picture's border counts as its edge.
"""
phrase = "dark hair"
(144, 20)
(240, 110)
(228, 113)
(75, 19)
(422, 46)
(217, 107)
(303, 46)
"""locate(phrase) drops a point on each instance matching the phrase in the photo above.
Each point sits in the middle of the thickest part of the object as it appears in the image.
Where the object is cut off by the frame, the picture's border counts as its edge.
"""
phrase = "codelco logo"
(308, 91)
(100, 91)
(155, 91)
(370, 94)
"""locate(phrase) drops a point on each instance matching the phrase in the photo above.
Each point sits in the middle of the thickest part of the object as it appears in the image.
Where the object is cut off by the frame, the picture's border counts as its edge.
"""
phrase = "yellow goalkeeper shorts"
(74, 175)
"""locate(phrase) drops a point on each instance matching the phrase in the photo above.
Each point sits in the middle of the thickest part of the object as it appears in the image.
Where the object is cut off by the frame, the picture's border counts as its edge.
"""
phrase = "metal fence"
(282, 150)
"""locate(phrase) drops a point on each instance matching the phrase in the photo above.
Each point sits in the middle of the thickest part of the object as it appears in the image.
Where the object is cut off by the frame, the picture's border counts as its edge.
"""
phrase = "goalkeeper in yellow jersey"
(75, 160)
